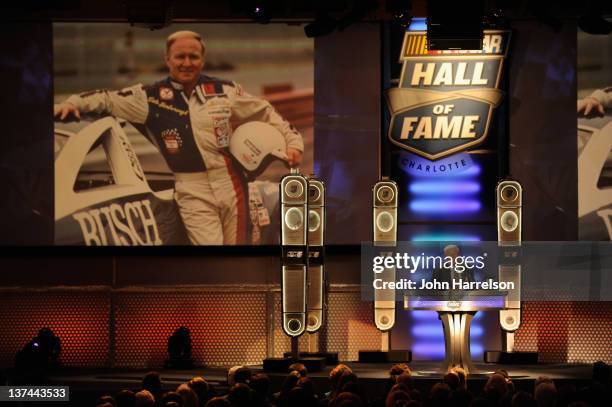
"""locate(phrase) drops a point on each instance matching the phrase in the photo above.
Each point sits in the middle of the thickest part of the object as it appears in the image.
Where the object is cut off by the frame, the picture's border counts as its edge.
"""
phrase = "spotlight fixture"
(400, 11)
(42, 352)
(179, 349)
(260, 11)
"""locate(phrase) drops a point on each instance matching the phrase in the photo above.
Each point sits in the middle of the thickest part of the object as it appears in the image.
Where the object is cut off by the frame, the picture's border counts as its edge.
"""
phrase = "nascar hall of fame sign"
(445, 99)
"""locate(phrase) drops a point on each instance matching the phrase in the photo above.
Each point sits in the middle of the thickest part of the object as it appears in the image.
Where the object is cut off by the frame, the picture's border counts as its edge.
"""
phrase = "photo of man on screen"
(594, 136)
(190, 118)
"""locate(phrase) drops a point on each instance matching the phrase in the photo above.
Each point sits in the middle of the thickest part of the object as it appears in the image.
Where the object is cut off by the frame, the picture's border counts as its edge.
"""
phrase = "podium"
(456, 310)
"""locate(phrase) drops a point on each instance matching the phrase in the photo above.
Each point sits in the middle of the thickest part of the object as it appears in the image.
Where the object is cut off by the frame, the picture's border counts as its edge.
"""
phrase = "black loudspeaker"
(391, 356)
(384, 213)
(316, 243)
(294, 242)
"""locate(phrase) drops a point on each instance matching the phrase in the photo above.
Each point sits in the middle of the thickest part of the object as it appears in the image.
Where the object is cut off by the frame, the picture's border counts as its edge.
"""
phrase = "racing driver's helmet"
(255, 145)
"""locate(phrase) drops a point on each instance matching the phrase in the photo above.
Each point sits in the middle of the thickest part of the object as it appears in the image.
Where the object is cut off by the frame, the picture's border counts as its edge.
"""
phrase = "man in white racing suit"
(596, 102)
(190, 117)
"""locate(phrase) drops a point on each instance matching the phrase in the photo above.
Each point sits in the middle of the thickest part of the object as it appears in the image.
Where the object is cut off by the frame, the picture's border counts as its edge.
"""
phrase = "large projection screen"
(113, 179)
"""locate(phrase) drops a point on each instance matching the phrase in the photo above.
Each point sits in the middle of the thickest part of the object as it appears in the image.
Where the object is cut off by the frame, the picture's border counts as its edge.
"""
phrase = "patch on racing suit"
(222, 128)
(172, 140)
(259, 213)
(213, 90)
(166, 93)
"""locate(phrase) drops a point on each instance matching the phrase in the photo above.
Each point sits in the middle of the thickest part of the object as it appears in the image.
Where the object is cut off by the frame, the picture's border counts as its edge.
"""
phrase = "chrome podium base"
(457, 340)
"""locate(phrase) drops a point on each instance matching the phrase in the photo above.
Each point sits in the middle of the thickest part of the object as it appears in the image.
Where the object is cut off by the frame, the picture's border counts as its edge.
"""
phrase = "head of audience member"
(201, 388)
(496, 387)
(152, 382)
(349, 382)
(218, 402)
(190, 398)
(125, 398)
(601, 372)
(546, 394)
(541, 379)
(144, 398)
(239, 395)
(291, 380)
(509, 383)
(297, 397)
(460, 398)
(300, 368)
(502, 372)
(345, 379)
(395, 371)
(346, 399)
(172, 404)
(398, 393)
(399, 369)
(106, 404)
(238, 374)
(462, 376)
(406, 379)
(172, 396)
(334, 375)
(106, 399)
(523, 399)
(566, 394)
(439, 394)
(452, 379)
(260, 383)
(309, 388)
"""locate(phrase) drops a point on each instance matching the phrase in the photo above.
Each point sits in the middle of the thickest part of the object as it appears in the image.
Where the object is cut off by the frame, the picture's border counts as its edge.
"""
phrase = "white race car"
(102, 196)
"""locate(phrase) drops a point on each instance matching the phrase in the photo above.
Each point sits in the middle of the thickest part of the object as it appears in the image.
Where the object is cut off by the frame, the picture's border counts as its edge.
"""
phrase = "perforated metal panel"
(227, 328)
(79, 318)
(231, 327)
(350, 325)
(567, 331)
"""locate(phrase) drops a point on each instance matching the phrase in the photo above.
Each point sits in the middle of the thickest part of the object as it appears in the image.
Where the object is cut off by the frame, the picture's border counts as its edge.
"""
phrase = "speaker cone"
(509, 221)
(314, 193)
(385, 194)
(314, 221)
(509, 194)
(294, 189)
(294, 218)
(384, 221)
(294, 325)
